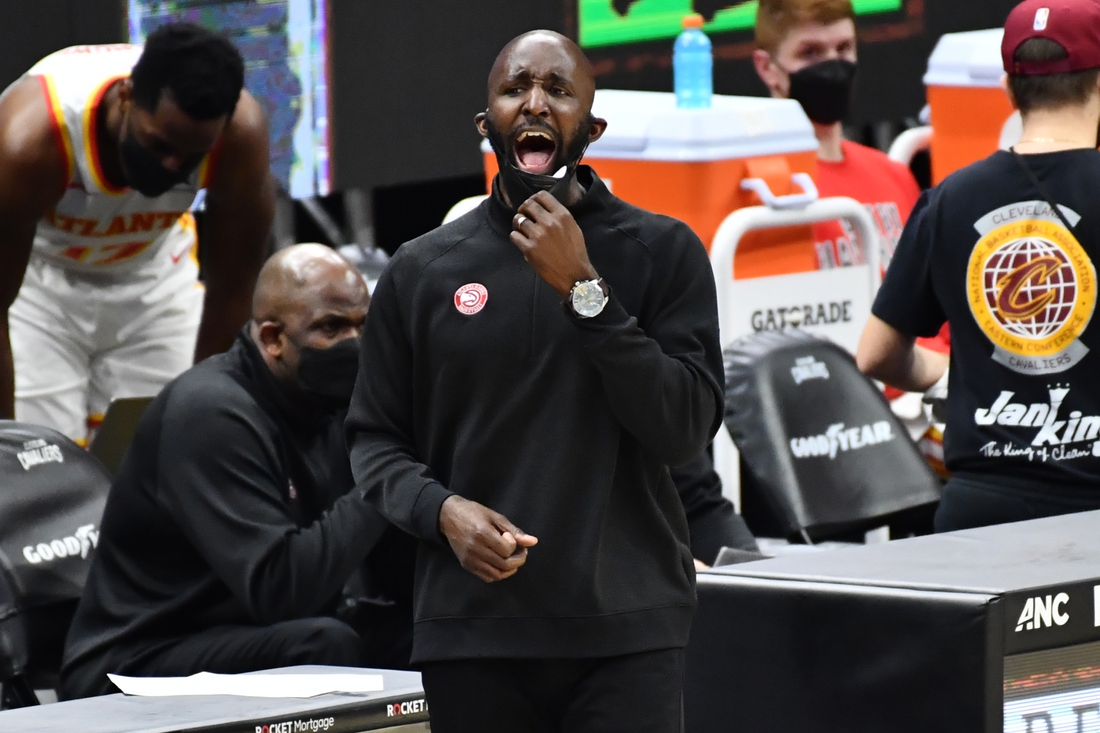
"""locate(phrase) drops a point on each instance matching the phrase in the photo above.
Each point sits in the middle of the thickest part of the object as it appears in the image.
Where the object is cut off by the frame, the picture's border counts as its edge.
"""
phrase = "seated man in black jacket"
(232, 527)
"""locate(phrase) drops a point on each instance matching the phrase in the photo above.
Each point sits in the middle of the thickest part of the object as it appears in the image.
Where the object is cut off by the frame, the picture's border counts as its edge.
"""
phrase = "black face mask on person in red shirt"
(824, 90)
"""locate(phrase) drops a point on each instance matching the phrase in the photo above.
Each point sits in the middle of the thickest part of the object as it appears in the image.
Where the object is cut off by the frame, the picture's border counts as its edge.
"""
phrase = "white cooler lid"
(971, 59)
(649, 126)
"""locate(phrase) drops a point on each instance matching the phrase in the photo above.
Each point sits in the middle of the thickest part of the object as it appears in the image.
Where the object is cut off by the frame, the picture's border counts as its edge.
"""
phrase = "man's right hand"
(485, 542)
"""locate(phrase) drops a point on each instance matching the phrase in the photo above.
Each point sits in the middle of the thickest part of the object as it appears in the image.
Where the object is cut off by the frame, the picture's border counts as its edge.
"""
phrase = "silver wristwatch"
(587, 298)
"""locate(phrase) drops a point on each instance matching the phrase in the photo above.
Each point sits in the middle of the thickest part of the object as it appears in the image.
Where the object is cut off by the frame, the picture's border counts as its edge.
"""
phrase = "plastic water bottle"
(692, 65)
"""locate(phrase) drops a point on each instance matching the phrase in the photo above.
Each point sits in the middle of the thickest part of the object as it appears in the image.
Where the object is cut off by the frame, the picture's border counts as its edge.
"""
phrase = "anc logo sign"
(1032, 290)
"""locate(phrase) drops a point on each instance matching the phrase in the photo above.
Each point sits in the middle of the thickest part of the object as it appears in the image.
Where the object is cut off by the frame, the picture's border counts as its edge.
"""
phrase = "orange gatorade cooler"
(689, 164)
(971, 114)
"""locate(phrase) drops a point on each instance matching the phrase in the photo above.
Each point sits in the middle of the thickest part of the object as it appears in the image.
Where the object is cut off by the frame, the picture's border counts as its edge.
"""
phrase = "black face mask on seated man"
(328, 375)
(144, 171)
(520, 185)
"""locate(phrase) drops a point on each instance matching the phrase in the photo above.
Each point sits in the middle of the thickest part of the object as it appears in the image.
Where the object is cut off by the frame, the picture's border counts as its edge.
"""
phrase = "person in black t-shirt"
(988, 252)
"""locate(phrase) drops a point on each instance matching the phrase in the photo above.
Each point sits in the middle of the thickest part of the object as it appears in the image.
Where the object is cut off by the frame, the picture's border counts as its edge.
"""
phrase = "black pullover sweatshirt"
(566, 426)
(231, 507)
(712, 521)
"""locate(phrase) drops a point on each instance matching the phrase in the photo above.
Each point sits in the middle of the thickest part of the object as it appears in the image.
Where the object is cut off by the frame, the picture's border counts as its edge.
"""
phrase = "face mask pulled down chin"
(144, 172)
(328, 375)
(520, 185)
(824, 90)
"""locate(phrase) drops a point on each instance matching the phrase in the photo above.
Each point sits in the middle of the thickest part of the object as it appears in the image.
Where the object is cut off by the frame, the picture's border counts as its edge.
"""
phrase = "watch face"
(588, 298)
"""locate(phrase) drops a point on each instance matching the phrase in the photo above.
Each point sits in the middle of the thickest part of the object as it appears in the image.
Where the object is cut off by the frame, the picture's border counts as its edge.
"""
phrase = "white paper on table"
(249, 685)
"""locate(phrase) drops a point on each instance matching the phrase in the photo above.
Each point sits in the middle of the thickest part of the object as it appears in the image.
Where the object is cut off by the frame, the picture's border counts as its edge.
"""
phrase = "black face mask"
(328, 375)
(824, 90)
(520, 185)
(144, 172)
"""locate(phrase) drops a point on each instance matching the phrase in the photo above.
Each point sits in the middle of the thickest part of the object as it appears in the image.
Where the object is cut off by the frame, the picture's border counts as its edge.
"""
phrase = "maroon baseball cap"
(1074, 24)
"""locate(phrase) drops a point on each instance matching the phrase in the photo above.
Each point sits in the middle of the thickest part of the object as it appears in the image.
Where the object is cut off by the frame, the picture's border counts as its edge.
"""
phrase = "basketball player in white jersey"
(102, 151)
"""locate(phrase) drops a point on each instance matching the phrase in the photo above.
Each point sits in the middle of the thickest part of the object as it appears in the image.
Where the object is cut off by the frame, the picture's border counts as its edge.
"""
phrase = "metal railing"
(722, 254)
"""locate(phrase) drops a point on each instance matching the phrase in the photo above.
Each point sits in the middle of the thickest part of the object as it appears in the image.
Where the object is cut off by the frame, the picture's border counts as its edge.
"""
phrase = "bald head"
(307, 298)
(544, 50)
(300, 277)
(539, 116)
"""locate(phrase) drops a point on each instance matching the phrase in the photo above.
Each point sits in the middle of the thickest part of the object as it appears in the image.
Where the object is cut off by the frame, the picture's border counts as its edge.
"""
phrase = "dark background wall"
(31, 29)
(409, 75)
(418, 70)
(893, 53)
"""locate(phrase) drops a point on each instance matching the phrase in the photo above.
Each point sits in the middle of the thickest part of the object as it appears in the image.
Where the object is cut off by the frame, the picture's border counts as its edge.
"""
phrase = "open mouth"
(534, 151)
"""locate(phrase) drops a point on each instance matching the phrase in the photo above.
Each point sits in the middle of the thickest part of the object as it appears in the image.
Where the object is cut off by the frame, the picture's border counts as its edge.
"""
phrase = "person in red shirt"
(884, 186)
(806, 51)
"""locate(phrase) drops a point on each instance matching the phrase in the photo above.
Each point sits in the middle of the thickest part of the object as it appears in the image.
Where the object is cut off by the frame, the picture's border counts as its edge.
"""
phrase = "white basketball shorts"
(81, 340)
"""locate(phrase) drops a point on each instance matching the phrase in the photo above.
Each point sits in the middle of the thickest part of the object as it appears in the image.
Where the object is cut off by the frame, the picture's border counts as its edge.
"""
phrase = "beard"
(521, 185)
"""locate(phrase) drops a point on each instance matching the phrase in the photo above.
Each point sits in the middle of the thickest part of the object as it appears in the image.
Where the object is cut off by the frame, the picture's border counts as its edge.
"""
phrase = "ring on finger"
(521, 221)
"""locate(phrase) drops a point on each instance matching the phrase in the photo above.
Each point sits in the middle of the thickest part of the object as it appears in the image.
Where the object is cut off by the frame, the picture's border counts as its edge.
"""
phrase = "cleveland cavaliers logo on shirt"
(1031, 288)
(471, 298)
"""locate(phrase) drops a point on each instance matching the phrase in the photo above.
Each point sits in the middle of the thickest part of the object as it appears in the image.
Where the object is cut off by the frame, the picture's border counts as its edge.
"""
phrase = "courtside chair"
(52, 494)
(824, 454)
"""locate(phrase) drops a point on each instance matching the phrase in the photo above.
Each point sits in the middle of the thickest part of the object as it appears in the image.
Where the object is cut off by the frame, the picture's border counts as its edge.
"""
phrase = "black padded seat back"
(52, 494)
(818, 437)
(13, 636)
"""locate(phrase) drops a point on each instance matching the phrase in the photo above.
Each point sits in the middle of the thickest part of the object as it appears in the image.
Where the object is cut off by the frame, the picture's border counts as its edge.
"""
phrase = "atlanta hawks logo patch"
(1032, 290)
(471, 298)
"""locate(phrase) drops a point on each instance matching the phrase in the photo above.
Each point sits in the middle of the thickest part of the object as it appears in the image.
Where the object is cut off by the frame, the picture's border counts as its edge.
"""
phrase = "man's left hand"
(550, 240)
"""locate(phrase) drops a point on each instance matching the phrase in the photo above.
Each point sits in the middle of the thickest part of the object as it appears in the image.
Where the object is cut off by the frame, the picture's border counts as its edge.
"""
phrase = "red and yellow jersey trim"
(93, 422)
(209, 164)
(188, 224)
(91, 150)
(59, 127)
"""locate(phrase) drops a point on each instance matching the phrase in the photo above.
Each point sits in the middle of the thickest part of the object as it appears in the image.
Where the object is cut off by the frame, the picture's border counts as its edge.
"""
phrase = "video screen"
(1053, 691)
(617, 22)
(284, 47)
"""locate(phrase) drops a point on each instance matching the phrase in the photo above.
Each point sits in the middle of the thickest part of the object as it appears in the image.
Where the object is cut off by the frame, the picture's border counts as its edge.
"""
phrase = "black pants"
(384, 641)
(225, 649)
(637, 693)
(966, 503)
